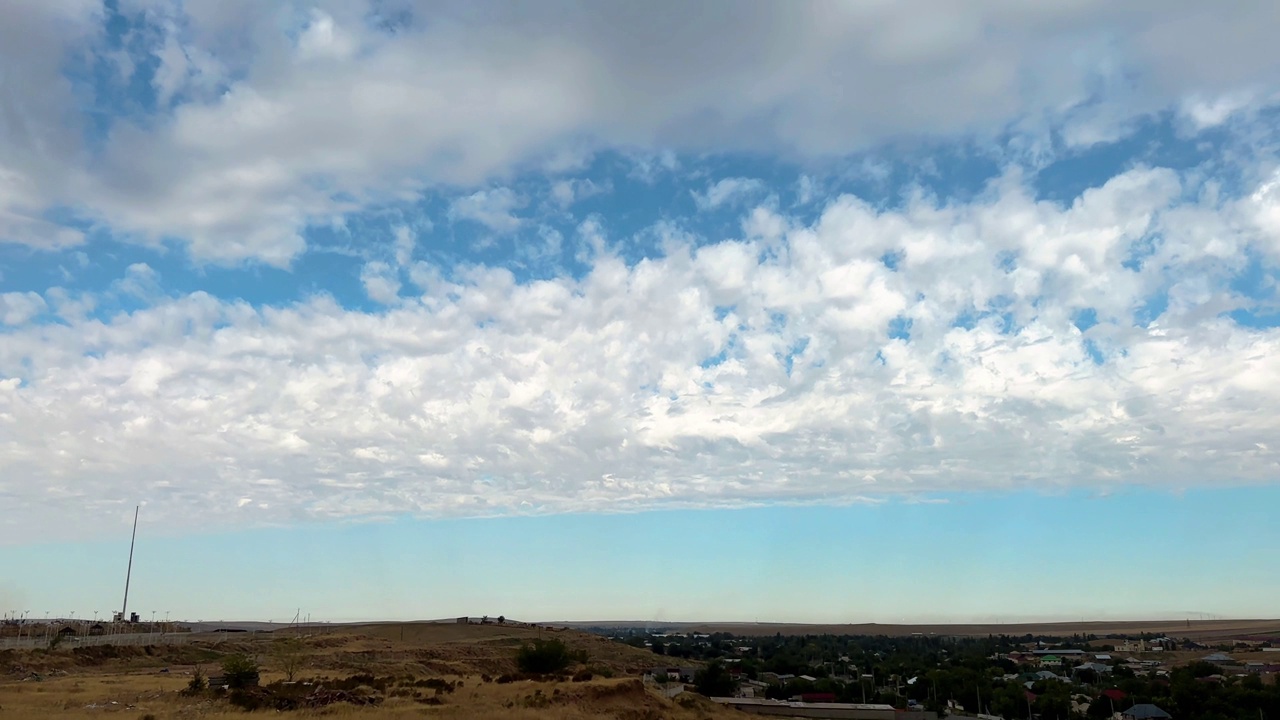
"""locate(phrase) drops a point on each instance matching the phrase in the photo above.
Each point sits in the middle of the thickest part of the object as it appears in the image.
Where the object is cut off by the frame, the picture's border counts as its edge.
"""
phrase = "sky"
(612, 310)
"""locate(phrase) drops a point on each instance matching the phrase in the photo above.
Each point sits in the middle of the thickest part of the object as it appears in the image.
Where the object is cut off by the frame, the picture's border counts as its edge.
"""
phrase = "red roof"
(1114, 694)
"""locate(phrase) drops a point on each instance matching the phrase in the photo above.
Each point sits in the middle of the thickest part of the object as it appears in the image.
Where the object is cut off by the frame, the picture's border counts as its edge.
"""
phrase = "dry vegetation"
(435, 671)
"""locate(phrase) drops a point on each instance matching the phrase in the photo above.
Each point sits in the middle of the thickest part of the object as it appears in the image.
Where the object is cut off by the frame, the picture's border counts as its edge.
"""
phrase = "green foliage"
(240, 671)
(714, 681)
(547, 656)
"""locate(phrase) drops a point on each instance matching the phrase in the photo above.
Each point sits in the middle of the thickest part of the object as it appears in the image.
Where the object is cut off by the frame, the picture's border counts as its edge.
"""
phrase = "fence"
(73, 641)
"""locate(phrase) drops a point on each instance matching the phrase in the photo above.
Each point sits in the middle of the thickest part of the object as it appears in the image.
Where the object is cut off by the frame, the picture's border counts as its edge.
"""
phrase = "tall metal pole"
(124, 608)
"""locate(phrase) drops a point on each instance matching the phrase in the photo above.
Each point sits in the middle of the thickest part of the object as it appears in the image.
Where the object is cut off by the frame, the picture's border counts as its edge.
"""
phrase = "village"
(921, 677)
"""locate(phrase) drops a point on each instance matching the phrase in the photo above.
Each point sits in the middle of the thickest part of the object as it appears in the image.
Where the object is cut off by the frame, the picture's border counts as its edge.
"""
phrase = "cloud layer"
(1006, 342)
(273, 261)
(233, 126)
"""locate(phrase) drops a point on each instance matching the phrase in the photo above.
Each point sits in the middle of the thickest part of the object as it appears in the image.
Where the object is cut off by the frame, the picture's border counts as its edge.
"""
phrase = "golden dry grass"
(130, 686)
(135, 696)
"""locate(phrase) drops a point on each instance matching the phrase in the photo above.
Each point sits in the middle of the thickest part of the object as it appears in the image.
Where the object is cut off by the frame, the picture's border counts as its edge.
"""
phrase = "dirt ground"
(469, 661)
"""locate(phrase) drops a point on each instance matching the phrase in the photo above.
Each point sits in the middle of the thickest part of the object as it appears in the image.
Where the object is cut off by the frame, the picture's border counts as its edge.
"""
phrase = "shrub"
(582, 676)
(196, 684)
(547, 656)
(240, 671)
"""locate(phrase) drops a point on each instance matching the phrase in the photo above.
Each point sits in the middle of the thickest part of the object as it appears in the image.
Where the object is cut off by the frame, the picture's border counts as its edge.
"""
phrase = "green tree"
(714, 681)
(240, 671)
(547, 656)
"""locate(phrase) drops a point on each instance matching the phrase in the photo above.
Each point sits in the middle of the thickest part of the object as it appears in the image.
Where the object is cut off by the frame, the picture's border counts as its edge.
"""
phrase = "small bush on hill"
(547, 656)
(240, 671)
(196, 684)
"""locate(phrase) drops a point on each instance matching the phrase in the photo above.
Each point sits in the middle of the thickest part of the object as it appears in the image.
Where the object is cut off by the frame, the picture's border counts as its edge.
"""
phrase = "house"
(808, 678)
(1098, 668)
(1102, 657)
(1051, 660)
(1145, 711)
(1115, 694)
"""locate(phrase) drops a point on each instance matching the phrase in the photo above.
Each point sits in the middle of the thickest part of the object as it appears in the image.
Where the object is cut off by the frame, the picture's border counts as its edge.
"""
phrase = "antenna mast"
(124, 607)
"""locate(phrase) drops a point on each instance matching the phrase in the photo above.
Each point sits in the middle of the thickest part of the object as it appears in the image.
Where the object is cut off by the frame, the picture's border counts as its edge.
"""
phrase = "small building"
(1145, 711)
(1219, 659)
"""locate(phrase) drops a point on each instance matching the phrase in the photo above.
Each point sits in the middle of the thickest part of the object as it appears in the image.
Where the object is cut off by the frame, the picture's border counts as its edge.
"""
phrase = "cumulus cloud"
(491, 208)
(380, 282)
(791, 364)
(727, 191)
(274, 116)
(17, 308)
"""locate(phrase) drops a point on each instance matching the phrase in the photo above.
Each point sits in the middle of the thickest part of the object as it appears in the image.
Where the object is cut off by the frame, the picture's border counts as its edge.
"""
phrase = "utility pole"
(124, 607)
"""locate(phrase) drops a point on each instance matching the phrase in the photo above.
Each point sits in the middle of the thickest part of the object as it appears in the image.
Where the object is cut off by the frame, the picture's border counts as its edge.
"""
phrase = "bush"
(196, 684)
(240, 671)
(546, 657)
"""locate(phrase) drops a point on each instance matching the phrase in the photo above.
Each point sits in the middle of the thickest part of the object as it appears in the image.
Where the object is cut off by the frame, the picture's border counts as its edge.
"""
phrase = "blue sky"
(388, 279)
(992, 558)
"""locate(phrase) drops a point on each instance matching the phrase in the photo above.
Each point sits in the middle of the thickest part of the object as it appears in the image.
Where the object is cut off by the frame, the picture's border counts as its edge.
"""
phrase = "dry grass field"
(128, 682)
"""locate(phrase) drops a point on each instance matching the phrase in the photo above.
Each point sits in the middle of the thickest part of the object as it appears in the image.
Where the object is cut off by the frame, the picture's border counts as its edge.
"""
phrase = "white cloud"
(268, 125)
(1206, 113)
(728, 190)
(380, 282)
(491, 208)
(751, 370)
(17, 308)
(569, 191)
(405, 241)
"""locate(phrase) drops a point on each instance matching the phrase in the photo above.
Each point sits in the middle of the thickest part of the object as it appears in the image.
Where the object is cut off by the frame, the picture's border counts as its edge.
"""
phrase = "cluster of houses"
(1071, 664)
